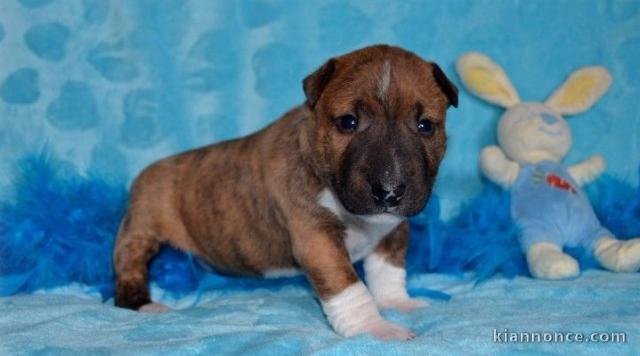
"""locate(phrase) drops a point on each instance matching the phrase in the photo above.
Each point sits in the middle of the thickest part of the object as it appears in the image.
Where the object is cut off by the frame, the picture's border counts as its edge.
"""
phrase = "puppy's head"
(379, 128)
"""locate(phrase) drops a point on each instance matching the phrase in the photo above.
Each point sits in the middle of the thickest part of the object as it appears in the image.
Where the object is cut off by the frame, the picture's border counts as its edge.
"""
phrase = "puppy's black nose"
(386, 196)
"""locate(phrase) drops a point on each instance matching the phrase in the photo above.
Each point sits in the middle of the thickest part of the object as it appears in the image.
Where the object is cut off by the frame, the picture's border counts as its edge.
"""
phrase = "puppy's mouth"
(391, 210)
(359, 203)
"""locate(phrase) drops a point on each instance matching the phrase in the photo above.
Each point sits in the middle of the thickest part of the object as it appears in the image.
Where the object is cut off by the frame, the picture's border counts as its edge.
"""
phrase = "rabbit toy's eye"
(549, 119)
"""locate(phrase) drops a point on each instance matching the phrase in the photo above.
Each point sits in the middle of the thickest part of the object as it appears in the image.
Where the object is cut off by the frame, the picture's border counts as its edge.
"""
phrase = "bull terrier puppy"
(330, 183)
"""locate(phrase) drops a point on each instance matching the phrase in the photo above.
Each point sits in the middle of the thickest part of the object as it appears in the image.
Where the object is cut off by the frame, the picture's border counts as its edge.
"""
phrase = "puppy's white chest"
(362, 239)
(364, 232)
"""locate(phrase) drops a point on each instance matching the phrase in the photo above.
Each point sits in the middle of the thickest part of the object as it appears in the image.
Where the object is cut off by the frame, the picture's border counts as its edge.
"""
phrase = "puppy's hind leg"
(135, 247)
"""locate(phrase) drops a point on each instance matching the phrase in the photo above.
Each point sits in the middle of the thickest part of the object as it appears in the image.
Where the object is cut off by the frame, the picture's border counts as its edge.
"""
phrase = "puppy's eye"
(425, 126)
(347, 123)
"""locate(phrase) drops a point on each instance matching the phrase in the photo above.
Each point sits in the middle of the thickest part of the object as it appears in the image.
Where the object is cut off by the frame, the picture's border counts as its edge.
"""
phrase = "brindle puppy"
(329, 183)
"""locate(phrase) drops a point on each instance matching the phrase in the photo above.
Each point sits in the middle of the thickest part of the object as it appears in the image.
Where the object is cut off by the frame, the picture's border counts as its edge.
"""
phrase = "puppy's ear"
(315, 82)
(448, 88)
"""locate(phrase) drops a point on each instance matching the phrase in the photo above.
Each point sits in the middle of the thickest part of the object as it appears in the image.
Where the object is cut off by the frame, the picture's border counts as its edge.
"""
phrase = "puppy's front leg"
(349, 306)
(386, 274)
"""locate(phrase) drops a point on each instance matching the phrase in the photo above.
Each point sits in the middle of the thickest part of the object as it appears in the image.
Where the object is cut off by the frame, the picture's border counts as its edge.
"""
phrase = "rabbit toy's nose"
(548, 118)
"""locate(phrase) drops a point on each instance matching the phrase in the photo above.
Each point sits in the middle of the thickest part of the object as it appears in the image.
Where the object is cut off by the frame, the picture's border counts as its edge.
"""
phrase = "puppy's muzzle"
(387, 195)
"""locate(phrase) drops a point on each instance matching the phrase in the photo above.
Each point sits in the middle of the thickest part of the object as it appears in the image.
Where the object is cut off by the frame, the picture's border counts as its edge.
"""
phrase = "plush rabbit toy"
(546, 200)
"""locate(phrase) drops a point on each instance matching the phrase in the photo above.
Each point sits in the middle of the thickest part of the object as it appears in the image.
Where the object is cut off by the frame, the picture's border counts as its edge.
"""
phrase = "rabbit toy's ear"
(486, 79)
(580, 91)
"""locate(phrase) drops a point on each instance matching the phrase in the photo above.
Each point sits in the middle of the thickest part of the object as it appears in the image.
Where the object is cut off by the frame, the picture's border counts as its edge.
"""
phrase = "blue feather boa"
(60, 225)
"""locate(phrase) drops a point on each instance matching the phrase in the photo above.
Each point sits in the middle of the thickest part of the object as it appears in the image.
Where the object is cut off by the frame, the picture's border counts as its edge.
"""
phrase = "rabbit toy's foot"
(617, 255)
(547, 261)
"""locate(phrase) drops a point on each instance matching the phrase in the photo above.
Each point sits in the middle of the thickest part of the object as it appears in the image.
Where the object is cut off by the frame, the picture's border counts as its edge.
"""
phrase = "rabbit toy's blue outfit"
(548, 205)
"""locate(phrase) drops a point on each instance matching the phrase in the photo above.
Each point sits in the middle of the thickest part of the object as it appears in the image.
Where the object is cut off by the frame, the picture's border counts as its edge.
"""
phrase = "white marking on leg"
(384, 80)
(353, 312)
(387, 284)
(350, 310)
(364, 232)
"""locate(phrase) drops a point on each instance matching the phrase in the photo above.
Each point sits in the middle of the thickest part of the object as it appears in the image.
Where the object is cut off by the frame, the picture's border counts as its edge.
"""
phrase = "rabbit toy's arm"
(497, 167)
(586, 171)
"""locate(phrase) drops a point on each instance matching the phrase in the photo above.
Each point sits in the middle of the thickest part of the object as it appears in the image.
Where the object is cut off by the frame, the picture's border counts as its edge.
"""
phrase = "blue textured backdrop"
(114, 85)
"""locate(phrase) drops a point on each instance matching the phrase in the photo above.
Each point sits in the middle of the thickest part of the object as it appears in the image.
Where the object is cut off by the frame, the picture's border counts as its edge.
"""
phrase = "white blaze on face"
(384, 80)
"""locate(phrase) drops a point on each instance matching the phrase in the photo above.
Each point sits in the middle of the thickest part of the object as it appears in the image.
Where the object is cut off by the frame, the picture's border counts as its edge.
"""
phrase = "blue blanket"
(114, 85)
(68, 321)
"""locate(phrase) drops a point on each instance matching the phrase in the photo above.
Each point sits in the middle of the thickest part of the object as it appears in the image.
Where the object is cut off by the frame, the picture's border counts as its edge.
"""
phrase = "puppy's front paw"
(386, 330)
(154, 308)
(404, 305)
